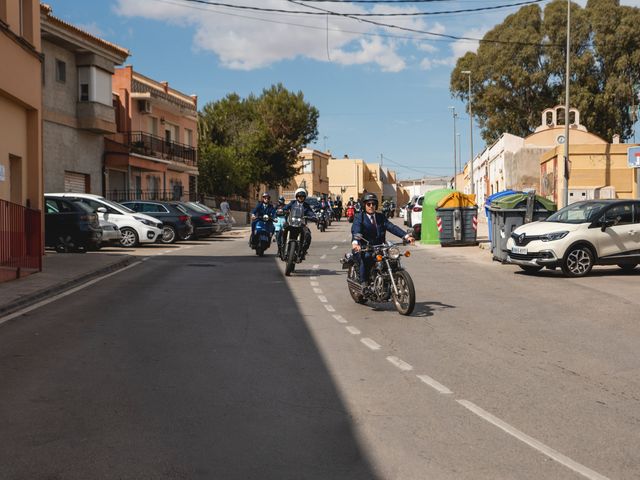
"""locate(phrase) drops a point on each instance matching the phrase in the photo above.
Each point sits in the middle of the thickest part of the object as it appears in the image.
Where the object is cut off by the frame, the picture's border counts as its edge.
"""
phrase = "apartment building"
(312, 174)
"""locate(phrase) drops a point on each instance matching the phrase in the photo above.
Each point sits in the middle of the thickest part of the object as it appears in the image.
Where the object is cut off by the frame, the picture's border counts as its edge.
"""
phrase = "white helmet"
(301, 191)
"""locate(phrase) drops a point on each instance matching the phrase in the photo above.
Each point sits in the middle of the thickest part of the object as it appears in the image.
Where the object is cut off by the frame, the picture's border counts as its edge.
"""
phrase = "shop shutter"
(75, 182)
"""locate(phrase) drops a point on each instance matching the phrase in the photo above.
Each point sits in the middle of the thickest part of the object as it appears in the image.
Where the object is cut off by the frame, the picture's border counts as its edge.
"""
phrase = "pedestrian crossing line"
(434, 384)
(339, 318)
(334, 247)
(323, 256)
(315, 284)
(353, 330)
(370, 343)
(329, 308)
(401, 364)
(316, 266)
(317, 290)
(313, 278)
(322, 298)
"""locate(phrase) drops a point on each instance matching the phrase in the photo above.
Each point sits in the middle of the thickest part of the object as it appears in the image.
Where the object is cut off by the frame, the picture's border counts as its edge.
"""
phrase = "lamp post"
(565, 182)
(455, 154)
(473, 187)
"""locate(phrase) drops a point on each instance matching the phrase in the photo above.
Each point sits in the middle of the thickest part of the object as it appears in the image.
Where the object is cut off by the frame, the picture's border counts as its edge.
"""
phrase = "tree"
(514, 82)
(254, 140)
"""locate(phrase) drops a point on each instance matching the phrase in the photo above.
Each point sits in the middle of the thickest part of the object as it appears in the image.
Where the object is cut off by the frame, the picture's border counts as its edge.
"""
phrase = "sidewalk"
(60, 272)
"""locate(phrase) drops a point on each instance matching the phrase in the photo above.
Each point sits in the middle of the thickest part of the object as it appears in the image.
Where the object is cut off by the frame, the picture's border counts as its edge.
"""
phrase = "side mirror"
(101, 210)
(606, 222)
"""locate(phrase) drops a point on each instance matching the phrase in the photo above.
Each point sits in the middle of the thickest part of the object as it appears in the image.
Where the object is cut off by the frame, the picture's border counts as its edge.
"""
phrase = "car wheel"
(129, 237)
(578, 261)
(168, 234)
(530, 268)
(627, 267)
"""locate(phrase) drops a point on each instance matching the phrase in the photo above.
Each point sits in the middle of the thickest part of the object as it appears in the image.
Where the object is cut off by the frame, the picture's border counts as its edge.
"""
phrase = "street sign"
(633, 157)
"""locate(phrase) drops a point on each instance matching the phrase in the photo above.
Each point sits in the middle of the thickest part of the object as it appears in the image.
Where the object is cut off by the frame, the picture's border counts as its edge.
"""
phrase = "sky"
(382, 93)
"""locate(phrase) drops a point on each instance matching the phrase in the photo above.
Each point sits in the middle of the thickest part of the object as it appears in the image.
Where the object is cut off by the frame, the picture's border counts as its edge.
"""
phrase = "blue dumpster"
(487, 212)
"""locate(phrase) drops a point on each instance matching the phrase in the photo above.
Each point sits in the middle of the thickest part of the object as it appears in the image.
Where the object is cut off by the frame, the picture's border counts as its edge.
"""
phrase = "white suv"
(135, 227)
(579, 236)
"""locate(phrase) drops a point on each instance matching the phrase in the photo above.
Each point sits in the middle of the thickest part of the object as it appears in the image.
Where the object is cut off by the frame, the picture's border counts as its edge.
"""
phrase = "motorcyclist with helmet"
(373, 227)
(263, 207)
(301, 195)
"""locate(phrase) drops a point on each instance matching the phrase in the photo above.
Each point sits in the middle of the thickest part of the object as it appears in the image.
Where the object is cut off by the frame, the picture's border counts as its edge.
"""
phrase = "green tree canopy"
(519, 70)
(253, 140)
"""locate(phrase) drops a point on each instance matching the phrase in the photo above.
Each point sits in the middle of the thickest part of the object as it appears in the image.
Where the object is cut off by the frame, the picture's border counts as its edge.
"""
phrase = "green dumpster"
(511, 211)
(457, 220)
(429, 234)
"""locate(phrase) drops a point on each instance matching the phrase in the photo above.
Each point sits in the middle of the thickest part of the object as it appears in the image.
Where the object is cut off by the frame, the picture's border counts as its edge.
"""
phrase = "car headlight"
(394, 253)
(550, 237)
(149, 223)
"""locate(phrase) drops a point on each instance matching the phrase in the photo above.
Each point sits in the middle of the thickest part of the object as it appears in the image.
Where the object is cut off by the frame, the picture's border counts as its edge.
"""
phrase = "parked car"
(110, 233)
(579, 236)
(176, 222)
(135, 228)
(70, 226)
(408, 208)
(414, 214)
(202, 220)
(222, 224)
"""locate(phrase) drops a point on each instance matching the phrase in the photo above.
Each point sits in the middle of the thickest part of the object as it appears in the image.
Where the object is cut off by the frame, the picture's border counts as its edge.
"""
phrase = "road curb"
(35, 297)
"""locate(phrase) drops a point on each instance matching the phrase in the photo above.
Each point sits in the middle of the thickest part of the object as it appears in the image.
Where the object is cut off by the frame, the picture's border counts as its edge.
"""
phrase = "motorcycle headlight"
(265, 218)
(550, 237)
(394, 253)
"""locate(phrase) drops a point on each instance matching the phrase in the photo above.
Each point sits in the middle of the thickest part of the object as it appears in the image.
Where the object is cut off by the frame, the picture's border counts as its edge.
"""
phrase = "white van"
(136, 228)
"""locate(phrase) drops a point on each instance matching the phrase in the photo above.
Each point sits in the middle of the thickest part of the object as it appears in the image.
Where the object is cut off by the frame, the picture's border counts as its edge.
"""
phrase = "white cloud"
(460, 47)
(266, 38)
(92, 28)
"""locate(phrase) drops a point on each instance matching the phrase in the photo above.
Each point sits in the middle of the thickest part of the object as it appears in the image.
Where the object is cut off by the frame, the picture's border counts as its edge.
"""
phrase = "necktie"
(373, 220)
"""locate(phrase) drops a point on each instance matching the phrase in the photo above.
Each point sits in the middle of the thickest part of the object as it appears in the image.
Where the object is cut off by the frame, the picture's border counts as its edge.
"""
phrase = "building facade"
(77, 105)
(154, 153)
(312, 175)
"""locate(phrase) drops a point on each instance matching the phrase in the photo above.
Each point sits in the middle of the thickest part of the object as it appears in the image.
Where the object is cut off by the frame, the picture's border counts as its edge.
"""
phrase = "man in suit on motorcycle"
(263, 207)
(373, 227)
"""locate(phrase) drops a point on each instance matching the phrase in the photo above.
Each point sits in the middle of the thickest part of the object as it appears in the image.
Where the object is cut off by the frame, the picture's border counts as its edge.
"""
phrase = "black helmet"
(281, 199)
(370, 197)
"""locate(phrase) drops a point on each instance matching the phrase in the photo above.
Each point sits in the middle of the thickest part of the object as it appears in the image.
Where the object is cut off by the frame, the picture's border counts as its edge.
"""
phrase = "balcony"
(96, 117)
(154, 146)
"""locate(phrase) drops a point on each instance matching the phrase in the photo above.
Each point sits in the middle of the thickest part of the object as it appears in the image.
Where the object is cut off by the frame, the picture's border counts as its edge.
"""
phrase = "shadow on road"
(171, 370)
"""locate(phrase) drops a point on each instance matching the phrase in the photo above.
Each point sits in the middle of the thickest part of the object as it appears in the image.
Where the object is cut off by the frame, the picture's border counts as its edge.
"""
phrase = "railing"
(20, 240)
(163, 195)
(154, 146)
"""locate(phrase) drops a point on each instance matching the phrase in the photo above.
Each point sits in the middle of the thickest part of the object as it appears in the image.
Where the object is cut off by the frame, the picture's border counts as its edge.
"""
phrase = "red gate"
(20, 241)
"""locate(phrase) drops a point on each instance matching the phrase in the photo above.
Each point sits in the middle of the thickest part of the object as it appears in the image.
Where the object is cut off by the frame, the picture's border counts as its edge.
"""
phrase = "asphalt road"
(206, 362)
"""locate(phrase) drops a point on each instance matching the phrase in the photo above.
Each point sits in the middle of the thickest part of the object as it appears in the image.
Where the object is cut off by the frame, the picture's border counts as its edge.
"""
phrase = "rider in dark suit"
(373, 227)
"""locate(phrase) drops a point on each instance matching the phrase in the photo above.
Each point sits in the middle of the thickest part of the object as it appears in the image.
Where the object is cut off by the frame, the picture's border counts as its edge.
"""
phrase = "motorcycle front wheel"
(291, 258)
(405, 300)
(353, 275)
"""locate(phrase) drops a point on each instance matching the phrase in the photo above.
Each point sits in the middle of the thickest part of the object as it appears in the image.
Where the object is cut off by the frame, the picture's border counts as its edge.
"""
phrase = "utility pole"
(473, 186)
(565, 183)
(455, 154)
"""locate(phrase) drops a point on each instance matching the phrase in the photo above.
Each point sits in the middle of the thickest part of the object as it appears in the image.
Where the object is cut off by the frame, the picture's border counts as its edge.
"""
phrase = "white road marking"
(353, 330)
(401, 364)
(344, 241)
(339, 318)
(334, 247)
(64, 294)
(316, 266)
(533, 443)
(322, 298)
(313, 278)
(144, 259)
(434, 384)
(315, 284)
(317, 290)
(370, 343)
(329, 308)
(323, 257)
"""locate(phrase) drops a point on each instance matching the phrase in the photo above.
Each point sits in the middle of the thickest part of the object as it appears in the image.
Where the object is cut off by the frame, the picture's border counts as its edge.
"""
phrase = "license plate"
(519, 250)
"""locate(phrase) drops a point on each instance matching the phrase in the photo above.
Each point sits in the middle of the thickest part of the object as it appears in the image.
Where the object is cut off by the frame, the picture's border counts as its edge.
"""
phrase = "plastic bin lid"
(457, 199)
(519, 200)
(495, 196)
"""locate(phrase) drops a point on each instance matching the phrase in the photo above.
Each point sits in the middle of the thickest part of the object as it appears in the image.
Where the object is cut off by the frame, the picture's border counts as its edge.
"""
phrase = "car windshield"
(117, 206)
(200, 206)
(581, 212)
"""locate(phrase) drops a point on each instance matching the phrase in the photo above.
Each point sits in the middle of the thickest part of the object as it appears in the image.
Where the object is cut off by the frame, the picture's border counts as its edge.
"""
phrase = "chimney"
(616, 139)
(346, 156)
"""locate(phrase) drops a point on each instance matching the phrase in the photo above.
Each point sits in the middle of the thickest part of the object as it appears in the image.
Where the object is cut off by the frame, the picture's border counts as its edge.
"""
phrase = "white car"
(414, 215)
(135, 228)
(579, 236)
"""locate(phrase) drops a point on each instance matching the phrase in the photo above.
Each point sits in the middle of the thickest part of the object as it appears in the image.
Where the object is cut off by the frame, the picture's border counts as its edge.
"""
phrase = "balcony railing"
(176, 194)
(20, 240)
(154, 146)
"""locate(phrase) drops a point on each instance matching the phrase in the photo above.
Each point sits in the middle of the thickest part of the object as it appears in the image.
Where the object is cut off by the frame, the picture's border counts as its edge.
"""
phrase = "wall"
(13, 141)
(522, 168)
(347, 174)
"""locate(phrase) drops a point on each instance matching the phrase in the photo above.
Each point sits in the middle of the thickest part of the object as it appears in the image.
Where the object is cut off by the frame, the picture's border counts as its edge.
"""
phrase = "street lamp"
(565, 192)
(473, 187)
(455, 154)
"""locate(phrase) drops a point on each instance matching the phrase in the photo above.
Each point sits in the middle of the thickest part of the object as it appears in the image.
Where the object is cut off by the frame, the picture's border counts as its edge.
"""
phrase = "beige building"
(77, 105)
(313, 175)
(351, 177)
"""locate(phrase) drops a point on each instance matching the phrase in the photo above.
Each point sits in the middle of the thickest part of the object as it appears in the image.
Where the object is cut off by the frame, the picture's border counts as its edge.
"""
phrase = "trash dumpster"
(457, 220)
(511, 211)
(487, 212)
(429, 229)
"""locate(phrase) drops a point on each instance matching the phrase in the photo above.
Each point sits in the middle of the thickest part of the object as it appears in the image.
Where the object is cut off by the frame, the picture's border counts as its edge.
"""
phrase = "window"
(94, 85)
(622, 214)
(188, 137)
(307, 166)
(61, 71)
(84, 92)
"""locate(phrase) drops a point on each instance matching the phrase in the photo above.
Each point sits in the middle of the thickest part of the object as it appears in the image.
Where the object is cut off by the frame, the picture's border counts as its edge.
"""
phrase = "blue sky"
(378, 90)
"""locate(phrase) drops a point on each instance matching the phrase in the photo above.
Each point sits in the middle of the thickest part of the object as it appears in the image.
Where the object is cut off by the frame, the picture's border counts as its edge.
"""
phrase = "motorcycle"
(321, 220)
(351, 212)
(262, 235)
(386, 210)
(293, 236)
(279, 224)
(388, 280)
(337, 213)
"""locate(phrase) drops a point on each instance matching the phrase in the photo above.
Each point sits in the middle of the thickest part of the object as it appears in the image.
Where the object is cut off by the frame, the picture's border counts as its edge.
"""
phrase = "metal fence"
(20, 240)
(152, 145)
(162, 195)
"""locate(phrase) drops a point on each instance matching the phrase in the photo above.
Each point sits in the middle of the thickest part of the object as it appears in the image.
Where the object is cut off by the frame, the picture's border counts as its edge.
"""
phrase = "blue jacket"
(264, 209)
(375, 236)
(307, 209)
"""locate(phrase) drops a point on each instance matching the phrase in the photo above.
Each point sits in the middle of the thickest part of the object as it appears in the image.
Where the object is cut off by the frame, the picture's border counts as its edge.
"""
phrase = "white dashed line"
(315, 284)
(318, 291)
(434, 384)
(370, 343)
(401, 364)
(313, 278)
(334, 247)
(323, 257)
(329, 308)
(533, 443)
(339, 318)
(344, 241)
(322, 298)
(353, 330)
(316, 266)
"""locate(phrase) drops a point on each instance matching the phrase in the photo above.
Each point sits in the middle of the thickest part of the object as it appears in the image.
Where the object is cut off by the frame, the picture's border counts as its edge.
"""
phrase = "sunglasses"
(371, 204)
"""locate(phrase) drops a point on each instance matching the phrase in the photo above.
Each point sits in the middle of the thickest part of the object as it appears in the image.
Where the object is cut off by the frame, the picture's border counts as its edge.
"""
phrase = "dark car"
(70, 226)
(176, 221)
(222, 224)
(203, 221)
